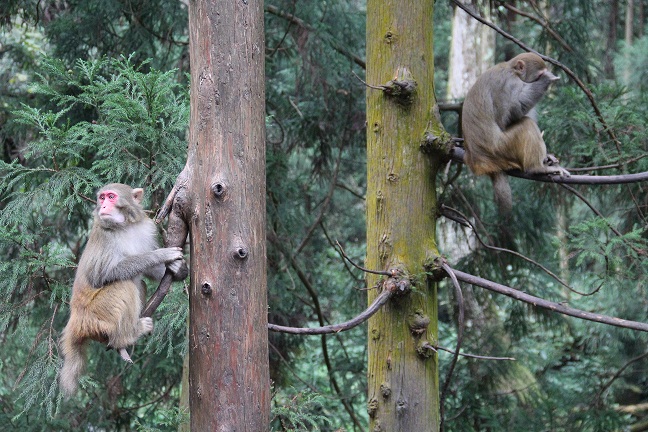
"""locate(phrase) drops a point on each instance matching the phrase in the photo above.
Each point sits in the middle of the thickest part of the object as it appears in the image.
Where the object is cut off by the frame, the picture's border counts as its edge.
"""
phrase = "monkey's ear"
(519, 65)
(138, 194)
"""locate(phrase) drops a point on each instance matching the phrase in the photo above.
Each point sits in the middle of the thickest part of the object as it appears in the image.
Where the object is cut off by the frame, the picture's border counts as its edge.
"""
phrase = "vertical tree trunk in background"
(472, 49)
(629, 22)
(610, 45)
(629, 29)
(401, 216)
(228, 338)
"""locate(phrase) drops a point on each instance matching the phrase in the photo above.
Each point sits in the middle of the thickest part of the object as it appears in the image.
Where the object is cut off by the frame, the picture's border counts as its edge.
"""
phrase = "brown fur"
(499, 129)
(107, 295)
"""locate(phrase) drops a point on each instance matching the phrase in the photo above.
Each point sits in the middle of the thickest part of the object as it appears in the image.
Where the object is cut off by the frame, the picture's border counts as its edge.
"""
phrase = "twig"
(463, 220)
(568, 71)
(545, 304)
(474, 355)
(324, 207)
(543, 22)
(599, 214)
(380, 87)
(378, 272)
(606, 167)
(382, 298)
(618, 374)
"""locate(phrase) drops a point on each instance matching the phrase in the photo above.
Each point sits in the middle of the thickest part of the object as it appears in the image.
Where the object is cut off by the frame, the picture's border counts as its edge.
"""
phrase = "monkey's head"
(118, 205)
(531, 68)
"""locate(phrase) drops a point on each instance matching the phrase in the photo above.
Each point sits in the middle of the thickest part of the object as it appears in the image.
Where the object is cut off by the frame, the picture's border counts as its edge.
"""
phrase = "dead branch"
(546, 304)
(382, 298)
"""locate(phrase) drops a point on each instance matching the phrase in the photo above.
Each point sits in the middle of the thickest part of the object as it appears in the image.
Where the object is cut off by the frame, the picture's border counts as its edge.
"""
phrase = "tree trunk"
(401, 210)
(472, 50)
(225, 210)
(611, 42)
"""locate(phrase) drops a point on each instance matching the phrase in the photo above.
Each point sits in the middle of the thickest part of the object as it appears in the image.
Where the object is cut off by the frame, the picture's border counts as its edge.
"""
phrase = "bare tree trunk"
(224, 206)
(611, 48)
(401, 216)
(472, 50)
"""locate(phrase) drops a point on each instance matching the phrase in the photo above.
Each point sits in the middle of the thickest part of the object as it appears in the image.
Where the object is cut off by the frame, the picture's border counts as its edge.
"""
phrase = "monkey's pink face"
(108, 209)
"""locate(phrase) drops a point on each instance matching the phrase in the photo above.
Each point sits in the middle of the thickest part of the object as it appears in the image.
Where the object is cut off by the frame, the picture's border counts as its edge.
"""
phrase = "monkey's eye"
(112, 197)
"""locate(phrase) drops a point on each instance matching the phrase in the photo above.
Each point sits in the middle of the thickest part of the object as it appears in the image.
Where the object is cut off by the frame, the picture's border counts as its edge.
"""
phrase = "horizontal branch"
(545, 304)
(382, 298)
(458, 153)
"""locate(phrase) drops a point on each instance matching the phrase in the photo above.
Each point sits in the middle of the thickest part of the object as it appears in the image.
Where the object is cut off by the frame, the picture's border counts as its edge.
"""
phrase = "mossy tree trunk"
(224, 207)
(401, 215)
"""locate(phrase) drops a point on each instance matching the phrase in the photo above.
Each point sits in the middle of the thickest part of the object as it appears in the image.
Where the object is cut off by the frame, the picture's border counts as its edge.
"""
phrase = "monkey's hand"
(170, 254)
(179, 269)
(553, 166)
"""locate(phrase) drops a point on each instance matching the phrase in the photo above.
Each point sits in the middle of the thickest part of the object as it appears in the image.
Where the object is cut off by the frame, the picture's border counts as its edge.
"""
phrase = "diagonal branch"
(546, 304)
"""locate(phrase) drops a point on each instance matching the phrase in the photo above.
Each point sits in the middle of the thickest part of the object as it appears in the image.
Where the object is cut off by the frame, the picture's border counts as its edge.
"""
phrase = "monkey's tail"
(502, 192)
(74, 361)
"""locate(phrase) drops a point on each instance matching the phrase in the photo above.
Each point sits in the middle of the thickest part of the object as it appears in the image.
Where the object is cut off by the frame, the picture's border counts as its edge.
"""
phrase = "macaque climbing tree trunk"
(401, 215)
(221, 198)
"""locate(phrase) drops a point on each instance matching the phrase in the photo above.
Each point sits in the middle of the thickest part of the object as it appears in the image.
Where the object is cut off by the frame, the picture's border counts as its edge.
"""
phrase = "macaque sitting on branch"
(108, 293)
(500, 131)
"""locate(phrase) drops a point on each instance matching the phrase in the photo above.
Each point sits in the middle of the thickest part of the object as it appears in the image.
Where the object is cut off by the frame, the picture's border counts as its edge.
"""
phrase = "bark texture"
(224, 205)
(401, 215)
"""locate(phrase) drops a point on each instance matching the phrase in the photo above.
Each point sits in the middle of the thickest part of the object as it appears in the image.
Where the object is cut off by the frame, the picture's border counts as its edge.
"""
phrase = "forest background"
(96, 91)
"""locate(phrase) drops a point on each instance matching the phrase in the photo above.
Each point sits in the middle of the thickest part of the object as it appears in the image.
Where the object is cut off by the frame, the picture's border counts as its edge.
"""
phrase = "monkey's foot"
(124, 355)
(146, 325)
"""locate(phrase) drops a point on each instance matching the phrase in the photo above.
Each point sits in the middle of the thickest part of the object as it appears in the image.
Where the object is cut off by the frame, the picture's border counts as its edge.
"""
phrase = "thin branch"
(545, 304)
(568, 71)
(611, 166)
(274, 10)
(599, 214)
(366, 84)
(460, 329)
(457, 154)
(542, 22)
(324, 207)
(618, 374)
(382, 298)
(479, 357)
(378, 272)
(463, 220)
(320, 317)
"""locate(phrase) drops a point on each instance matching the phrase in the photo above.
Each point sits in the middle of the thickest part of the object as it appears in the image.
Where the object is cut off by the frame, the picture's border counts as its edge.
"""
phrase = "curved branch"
(568, 71)
(382, 298)
(457, 155)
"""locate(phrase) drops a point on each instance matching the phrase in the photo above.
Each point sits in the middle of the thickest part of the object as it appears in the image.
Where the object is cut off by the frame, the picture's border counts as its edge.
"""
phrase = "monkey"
(107, 293)
(499, 126)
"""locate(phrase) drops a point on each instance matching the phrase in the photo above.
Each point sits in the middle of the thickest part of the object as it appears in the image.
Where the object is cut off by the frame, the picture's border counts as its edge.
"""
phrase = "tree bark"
(401, 215)
(224, 206)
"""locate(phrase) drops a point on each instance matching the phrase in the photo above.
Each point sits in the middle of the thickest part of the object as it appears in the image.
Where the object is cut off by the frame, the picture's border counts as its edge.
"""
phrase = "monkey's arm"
(133, 266)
